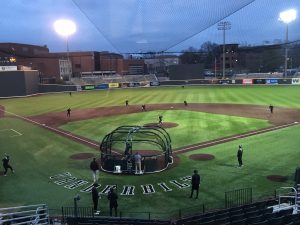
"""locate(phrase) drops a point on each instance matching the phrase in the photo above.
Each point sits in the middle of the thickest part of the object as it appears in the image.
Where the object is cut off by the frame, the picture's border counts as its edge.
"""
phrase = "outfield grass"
(193, 127)
(38, 154)
(283, 96)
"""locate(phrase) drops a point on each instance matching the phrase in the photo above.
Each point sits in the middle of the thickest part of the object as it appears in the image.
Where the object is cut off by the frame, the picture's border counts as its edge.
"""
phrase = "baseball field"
(51, 152)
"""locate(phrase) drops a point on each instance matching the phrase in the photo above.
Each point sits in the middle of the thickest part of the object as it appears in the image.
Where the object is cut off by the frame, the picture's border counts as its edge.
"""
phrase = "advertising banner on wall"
(113, 85)
(78, 88)
(259, 81)
(124, 85)
(136, 84)
(296, 81)
(224, 81)
(285, 81)
(154, 83)
(247, 81)
(8, 68)
(271, 81)
(102, 86)
(88, 87)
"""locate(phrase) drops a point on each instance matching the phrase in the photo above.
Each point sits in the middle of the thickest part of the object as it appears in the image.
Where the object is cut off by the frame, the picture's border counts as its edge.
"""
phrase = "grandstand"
(106, 79)
(258, 75)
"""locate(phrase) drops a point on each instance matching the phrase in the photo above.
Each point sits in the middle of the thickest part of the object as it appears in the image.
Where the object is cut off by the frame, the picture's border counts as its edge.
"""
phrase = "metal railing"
(286, 193)
(238, 197)
(31, 214)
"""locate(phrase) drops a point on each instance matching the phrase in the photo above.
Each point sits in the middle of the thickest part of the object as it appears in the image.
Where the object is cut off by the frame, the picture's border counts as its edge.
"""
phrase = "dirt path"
(281, 118)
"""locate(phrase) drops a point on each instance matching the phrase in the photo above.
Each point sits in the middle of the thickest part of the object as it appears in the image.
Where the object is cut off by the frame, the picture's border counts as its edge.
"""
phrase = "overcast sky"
(145, 25)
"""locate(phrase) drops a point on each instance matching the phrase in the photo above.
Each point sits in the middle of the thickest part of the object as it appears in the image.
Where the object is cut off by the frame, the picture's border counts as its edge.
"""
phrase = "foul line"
(194, 147)
(54, 129)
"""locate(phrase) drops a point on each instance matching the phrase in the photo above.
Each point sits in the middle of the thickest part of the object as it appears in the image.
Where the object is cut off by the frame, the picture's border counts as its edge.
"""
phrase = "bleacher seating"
(30, 214)
(101, 79)
(260, 213)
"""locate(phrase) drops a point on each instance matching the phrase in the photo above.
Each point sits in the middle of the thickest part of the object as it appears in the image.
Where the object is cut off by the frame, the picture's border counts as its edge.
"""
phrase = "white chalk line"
(234, 137)
(16, 135)
(54, 129)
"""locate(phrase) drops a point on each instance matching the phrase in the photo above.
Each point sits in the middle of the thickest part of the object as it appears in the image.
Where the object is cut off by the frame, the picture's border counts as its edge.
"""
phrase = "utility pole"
(224, 25)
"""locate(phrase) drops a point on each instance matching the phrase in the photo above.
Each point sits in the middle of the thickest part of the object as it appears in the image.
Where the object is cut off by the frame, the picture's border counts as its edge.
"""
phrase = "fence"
(238, 197)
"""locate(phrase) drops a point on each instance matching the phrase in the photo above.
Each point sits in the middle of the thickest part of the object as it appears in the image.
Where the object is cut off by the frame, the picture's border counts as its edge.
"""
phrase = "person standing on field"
(271, 107)
(113, 203)
(6, 165)
(240, 155)
(95, 197)
(195, 184)
(94, 166)
(68, 112)
(138, 163)
(160, 118)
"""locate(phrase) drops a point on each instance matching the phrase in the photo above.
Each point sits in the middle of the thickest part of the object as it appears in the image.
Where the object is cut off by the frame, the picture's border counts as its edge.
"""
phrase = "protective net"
(119, 148)
(139, 26)
(165, 25)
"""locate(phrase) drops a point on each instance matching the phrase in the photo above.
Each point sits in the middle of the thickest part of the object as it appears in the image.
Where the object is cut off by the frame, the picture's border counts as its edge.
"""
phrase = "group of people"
(112, 196)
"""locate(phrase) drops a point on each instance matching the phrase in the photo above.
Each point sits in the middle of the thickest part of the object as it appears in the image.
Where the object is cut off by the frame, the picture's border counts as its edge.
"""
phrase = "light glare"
(288, 16)
(65, 27)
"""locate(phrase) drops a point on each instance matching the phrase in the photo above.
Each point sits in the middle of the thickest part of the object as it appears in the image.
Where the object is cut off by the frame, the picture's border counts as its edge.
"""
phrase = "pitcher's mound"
(277, 178)
(163, 125)
(81, 156)
(202, 157)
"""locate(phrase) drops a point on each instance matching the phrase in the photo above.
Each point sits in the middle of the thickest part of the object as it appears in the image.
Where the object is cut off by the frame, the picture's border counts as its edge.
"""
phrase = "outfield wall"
(18, 83)
(24, 83)
(46, 88)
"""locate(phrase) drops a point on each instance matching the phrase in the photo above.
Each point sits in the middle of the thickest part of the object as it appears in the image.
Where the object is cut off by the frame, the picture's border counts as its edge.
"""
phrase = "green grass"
(193, 127)
(283, 96)
(36, 156)
(38, 153)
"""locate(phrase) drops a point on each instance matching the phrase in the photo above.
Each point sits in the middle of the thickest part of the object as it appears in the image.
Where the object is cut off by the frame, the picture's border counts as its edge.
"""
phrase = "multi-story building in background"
(159, 65)
(53, 67)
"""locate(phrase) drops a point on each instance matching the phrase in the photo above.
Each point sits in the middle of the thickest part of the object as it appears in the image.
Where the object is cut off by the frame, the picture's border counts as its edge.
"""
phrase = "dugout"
(153, 143)
(18, 83)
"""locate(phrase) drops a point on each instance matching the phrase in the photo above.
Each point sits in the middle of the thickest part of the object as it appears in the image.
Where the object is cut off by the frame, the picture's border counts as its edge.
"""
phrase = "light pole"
(287, 17)
(224, 25)
(66, 28)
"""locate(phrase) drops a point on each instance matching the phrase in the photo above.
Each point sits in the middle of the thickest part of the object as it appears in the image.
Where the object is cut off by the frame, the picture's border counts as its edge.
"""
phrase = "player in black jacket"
(195, 183)
(6, 165)
(240, 155)
(113, 203)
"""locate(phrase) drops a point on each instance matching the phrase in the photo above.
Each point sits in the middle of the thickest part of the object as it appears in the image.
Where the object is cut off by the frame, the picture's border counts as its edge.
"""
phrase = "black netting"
(152, 143)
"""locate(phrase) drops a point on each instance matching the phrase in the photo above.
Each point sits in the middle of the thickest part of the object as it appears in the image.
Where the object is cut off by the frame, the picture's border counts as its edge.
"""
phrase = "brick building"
(55, 66)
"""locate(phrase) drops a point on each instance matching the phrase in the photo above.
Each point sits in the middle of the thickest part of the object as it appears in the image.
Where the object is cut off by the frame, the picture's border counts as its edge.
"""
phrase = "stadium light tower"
(224, 25)
(65, 28)
(287, 17)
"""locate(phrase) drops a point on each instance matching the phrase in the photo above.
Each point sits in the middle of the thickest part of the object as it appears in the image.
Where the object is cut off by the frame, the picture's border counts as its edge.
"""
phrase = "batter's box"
(10, 133)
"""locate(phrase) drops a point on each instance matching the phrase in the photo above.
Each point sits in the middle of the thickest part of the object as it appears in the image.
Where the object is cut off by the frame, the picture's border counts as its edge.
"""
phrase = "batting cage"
(128, 147)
